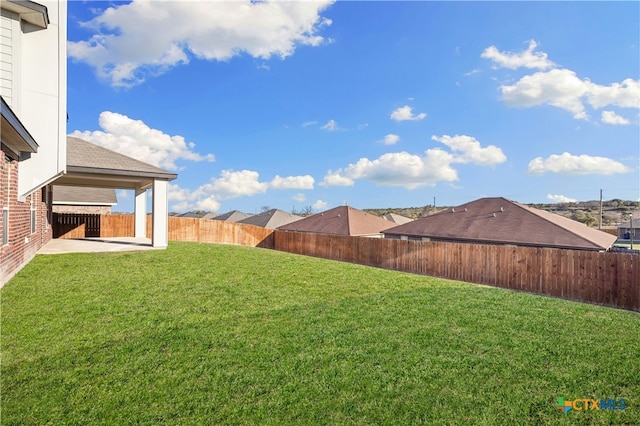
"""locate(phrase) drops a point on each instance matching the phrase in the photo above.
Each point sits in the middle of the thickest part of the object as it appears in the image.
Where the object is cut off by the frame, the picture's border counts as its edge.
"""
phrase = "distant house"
(198, 215)
(192, 215)
(232, 216)
(629, 230)
(77, 199)
(501, 221)
(396, 218)
(343, 220)
(271, 219)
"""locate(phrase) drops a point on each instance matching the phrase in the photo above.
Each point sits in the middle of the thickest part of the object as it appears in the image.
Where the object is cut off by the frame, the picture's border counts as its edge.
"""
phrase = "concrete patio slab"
(95, 245)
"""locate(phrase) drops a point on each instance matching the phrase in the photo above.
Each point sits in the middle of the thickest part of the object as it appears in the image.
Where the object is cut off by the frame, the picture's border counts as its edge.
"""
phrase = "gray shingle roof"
(342, 220)
(83, 156)
(232, 216)
(501, 221)
(396, 218)
(271, 219)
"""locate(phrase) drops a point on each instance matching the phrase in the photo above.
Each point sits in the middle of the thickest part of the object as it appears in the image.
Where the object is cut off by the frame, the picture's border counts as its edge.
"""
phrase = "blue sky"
(371, 104)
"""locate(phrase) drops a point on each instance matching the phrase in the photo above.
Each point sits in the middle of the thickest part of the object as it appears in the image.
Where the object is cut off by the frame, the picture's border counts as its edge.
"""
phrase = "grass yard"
(210, 334)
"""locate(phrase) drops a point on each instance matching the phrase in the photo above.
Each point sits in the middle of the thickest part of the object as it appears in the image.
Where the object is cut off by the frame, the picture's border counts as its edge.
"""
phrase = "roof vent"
(453, 210)
(494, 215)
(465, 209)
(338, 215)
(501, 209)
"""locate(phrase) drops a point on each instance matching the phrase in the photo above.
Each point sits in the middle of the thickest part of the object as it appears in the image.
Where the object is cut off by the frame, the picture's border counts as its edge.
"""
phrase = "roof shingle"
(342, 220)
(501, 221)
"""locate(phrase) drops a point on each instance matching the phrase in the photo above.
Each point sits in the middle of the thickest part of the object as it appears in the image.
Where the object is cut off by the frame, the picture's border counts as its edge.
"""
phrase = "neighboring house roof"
(232, 216)
(342, 220)
(627, 225)
(501, 221)
(271, 219)
(192, 215)
(198, 215)
(396, 218)
(94, 166)
(84, 196)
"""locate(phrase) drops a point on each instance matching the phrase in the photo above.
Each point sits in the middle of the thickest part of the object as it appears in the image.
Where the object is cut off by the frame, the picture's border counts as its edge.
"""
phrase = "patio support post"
(160, 214)
(140, 213)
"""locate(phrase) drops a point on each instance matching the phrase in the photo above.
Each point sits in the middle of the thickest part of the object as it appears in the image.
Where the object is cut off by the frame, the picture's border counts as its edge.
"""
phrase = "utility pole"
(633, 231)
(600, 213)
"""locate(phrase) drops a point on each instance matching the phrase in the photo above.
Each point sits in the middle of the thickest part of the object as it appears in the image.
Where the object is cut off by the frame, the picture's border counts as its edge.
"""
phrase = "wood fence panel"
(120, 225)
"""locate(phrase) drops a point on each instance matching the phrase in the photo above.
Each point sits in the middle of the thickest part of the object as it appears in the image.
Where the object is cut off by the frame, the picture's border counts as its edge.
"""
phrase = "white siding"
(43, 97)
(6, 56)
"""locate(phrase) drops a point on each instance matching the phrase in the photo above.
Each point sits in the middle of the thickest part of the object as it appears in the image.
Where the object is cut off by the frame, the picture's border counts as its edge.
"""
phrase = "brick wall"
(65, 208)
(22, 244)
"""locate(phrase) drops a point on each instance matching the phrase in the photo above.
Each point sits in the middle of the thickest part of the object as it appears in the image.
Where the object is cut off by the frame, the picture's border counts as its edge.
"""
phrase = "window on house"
(5, 209)
(5, 226)
(33, 213)
(47, 194)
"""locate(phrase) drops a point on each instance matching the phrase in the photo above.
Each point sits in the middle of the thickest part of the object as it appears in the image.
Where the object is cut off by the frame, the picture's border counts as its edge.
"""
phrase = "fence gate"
(74, 225)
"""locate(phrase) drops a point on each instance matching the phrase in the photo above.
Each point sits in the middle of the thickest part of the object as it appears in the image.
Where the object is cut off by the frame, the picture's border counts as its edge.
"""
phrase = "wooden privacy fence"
(72, 225)
(611, 279)
(218, 231)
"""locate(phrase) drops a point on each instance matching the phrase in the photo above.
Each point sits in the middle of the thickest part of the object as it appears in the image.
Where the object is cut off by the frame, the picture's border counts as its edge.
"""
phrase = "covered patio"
(89, 165)
(96, 245)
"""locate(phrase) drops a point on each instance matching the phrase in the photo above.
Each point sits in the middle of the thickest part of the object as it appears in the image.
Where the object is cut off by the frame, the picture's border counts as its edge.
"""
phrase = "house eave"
(441, 239)
(115, 172)
(14, 134)
(29, 11)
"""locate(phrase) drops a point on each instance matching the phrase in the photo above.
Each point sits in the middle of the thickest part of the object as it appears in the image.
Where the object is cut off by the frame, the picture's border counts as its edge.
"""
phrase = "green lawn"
(211, 334)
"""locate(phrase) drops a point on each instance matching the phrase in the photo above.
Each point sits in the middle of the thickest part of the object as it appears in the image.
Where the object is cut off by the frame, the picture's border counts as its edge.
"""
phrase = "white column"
(140, 212)
(160, 214)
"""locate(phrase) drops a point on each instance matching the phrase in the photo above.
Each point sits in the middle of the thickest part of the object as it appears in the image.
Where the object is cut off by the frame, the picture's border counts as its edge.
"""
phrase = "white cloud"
(391, 139)
(563, 89)
(398, 169)
(309, 123)
(566, 163)
(559, 87)
(137, 140)
(336, 179)
(122, 194)
(471, 150)
(560, 199)
(610, 117)
(143, 38)
(331, 126)
(232, 184)
(525, 59)
(299, 197)
(625, 94)
(413, 171)
(405, 113)
(292, 182)
(319, 205)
